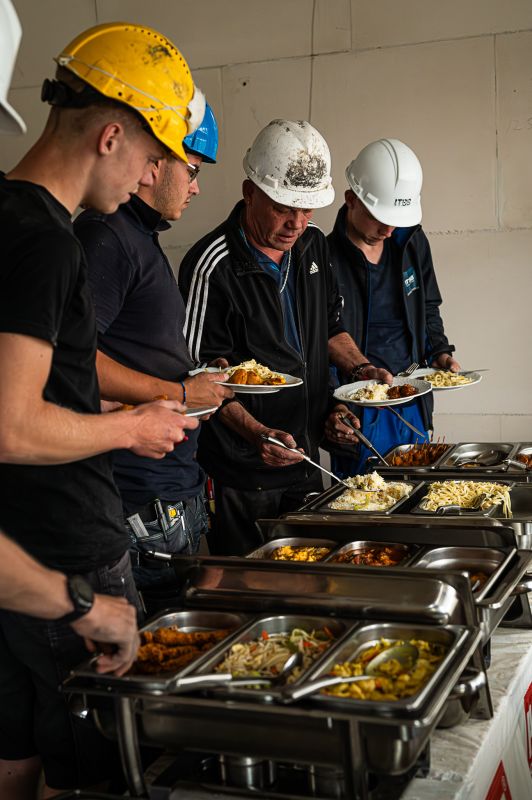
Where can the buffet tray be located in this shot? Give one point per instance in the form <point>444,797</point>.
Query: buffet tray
<point>451,510</point>
<point>403,552</point>
<point>266,626</point>
<point>496,451</point>
<point>187,621</point>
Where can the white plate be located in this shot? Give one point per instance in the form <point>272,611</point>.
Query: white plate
<point>243,388</point>
<point>476,378</point>
<point>423,387</point>
<point>200,411</point>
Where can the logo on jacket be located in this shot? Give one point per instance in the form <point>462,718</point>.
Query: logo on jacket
<point>410,281</point>
<point>313,268</point>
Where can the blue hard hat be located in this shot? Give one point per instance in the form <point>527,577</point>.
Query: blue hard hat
<point>204,141</point>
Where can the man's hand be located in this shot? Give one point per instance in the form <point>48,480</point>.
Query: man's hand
<point>111,620</point>
<point>205,389</point>
<point>156,428</point>
<point>372,373</point>
<point>446,362</point>
<point>272,454</point>
<point>336,431</point>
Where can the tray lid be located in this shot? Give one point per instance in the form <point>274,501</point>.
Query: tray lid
<point>258,586</point>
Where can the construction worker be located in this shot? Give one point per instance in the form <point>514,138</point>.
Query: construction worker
<point>142,352</point>
<point>260,286</point>
<point>391,298</point>
<point>123,96</point>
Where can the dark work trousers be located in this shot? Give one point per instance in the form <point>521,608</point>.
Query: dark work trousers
<point>235,532</point>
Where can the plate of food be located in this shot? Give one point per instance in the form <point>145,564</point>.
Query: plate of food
<point>373,393</point>
<point>443,380</point>
<point>250,377</point>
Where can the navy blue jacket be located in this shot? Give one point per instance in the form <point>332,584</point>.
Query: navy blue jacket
<point>421,295</point>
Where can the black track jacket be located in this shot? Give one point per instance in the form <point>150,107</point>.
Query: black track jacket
<point>234,311</point>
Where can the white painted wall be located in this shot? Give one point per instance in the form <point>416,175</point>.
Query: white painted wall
<point>453,80</point>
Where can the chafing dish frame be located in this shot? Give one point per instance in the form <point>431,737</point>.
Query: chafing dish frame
<point>341,739</point>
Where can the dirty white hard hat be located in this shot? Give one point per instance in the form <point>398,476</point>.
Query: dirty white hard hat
<point>10,35</point>
<point>291,163</point>
<point>387,177</point>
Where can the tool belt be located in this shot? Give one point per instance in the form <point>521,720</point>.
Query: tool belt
<point>159,526</point>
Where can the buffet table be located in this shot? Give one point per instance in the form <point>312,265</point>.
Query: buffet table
<point>475,760</point>
<point>479,760</point>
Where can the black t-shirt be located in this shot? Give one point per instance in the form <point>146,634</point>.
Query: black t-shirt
<point>140,316</point>
<point>66,515</point>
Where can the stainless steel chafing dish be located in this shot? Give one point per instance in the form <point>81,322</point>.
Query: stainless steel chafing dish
<point>354,740</point>
<point>441,543</point>
<point>472,459</point>
<point>400,553</point>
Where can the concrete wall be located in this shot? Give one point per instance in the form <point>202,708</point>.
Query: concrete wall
<point>453,80</point>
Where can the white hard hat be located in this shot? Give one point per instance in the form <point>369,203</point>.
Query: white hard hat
<point>291,163</point>
<point>387,177</point>
<point>10,35</point>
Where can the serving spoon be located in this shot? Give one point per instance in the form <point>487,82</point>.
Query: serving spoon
<point>406,654</point>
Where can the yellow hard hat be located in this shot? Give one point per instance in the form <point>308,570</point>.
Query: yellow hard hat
<point>139,67</point>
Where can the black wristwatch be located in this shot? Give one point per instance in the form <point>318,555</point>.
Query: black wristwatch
<point>358,370</point>
<point>82,595</point>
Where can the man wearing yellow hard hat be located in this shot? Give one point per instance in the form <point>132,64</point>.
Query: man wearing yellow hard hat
<point>123,96</point>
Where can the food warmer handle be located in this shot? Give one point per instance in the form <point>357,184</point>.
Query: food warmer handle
<point>514,583</point>
<point>191,683</point>
<point>468,685</point>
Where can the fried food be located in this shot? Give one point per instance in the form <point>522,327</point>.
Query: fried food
<point>253,378</point>
<point>239,376</point>
<point>169,649</point>
<point>172,636</point>
<point>252,373</point>
<point>418,455</point>
<point>381,391</point>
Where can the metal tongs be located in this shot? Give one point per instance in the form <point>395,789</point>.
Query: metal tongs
<point>364,439</point>
<point>279,443</point>
<point>476,506</point>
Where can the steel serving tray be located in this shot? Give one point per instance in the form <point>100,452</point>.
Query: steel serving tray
<point>505,571</point>
<point>401,450</point>
<point>453,511</point>
<point>281,623</point>
<point>451,637</point>
<point>266,550</point>
<point>187,621</point>
<point>322,502</point>
<point>522,449</point>
<point>401,553</point>
<point>469,451</point>
<point>469,559</point>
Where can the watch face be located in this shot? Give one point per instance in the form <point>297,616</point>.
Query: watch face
<point>81,592</point>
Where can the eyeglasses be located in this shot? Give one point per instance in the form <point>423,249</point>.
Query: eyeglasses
<point>193,171</point>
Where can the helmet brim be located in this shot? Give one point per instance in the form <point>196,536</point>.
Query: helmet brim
<point>10,120</point>
<point>292,199</point>
<point>396,217</point>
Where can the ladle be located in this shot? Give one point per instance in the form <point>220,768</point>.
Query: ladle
<point>481,460</point>
<point>406,654</point>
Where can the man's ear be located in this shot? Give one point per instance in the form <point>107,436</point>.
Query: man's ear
<point>350,198</point>
<point>151,172</point>
<point>247,190</point>
<point>109,138</point>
